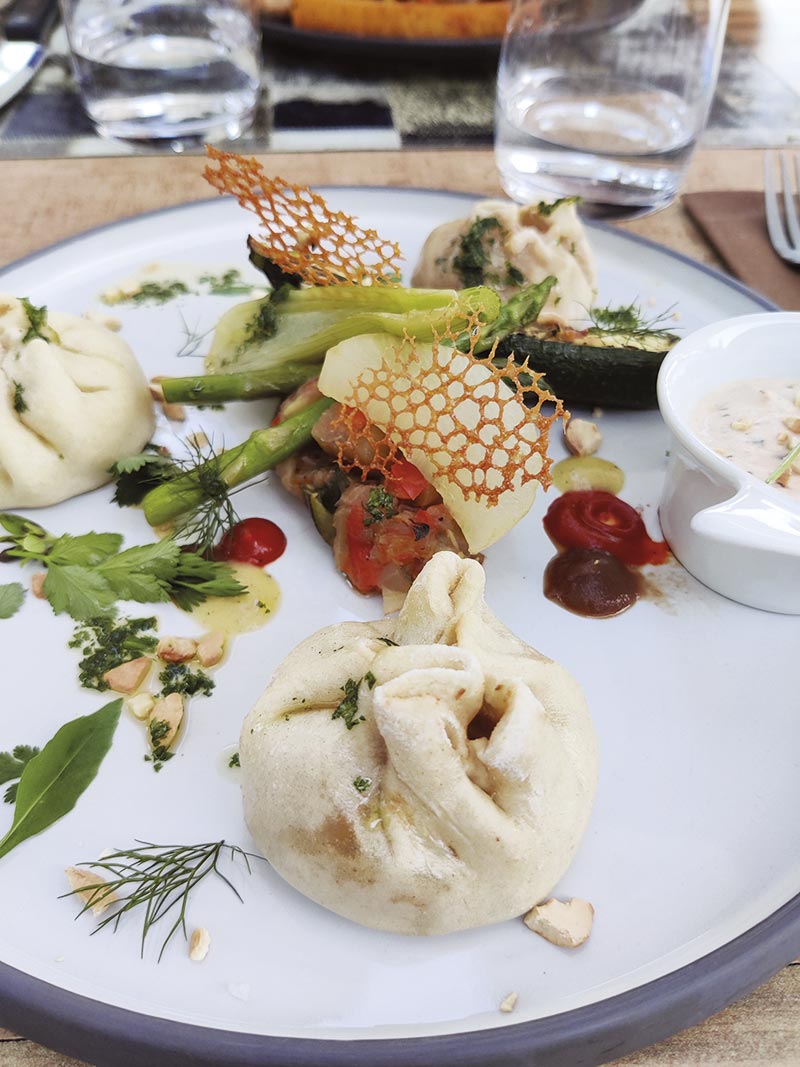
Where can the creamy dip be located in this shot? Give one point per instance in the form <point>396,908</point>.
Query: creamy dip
<point>754,423</point>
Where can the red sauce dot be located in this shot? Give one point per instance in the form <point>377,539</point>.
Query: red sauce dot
<point>590,582</point>
<point>255,541</point>
<point>593,518</point>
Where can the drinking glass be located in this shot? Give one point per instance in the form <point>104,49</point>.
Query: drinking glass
<point>605,99</point>
<point>175,69</point>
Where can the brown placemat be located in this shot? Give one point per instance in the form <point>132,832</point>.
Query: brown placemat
<point>736,225</point>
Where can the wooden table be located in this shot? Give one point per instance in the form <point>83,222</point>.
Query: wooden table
<point>46,201</point>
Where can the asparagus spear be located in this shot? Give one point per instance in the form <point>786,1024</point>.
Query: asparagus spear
<point>262,451</point>
<point>277,380</point>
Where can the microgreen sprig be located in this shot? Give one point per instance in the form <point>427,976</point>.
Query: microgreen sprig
<point>785,464</point>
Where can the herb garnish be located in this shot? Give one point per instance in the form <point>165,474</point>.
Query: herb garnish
<point>136,475</point>
<point>546,209</point>
<point>784,464</point>
<point>11,598</point>
<point>158,878</point>
<point>472,259</point>
<point>234,760</point>
<point>347,710</point>
<point>629,321</point>
<point>230,283</point>
<point>380,505</point>
<point>87,574</point>
<point>37,323</point>
<point>106,643</point>
<point>361,785</point>
<point>12,764</point>
<point>180,678</point>
<point>53,779</point>
<point>19,401</point>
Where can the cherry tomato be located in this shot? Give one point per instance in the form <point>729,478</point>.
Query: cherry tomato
<point>593,518</point>
<point>256,541</point>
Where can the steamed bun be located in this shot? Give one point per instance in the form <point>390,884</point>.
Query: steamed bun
<point>452,792</point>
<point>534,239</point>
<point>71,403</point>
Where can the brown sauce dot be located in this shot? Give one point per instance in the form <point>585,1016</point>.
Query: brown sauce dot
<point>590,582</point>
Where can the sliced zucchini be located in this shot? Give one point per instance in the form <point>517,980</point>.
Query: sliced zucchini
<point>603,368</point>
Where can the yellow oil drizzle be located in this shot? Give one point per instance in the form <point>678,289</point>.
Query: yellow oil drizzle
<point>241,614</point>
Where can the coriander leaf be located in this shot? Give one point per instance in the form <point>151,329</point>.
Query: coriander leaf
<point>10,795</point>
<point>143,572</point>
<point>87,550</point>
<point>79,591</point>
<point>11,597</point>
<point>56,777</point>
<point>24,753</point>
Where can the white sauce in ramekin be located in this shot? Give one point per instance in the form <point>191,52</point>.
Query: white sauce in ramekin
<point>754,423</point>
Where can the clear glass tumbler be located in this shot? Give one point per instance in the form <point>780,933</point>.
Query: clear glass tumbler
<point>165,69</point>
<point>605,99</point>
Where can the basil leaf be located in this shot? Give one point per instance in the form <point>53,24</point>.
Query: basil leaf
<point>53,781</point>
<point>11,597</point>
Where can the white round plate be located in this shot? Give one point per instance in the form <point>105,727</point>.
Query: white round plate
<point>692,858</point>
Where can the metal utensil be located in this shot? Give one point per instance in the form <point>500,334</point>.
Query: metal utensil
<point>785,238</point>
<point>25,30</point>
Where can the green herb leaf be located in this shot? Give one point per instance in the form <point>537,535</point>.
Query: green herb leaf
<point>79,591</point>
<point>143,572</point>
<point>12,763</point>
<point>19,402</point>
<point>380,505</point>
<point>136,475</point>
<point>87,550</point>
<point>37,323</point>
<point>11,597</point>
<point>347,710</point>
<point>196,579</point>
<point>55,778</point>
<point>546,209</point>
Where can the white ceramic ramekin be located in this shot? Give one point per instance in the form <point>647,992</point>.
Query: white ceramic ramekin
<point>735,533</point>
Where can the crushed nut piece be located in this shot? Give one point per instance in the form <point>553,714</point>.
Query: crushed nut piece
<point>792,424</point>
<point>127,677</point>
<point>211,648</point>
<point>176,649</point>
<point>783,479</point>
<point>37,584</point>
<point>785,440</point>
<point>567,923</point>
<point>582,437</point>
<point>103,319</point>
<point>169,712</point>
<point>174,412</point>
<point>509,1002</point>
<point>141,705</point>
<point>199,944</point>
<point>742,425</point>
<point>197,440</point>
<point>89,887</point>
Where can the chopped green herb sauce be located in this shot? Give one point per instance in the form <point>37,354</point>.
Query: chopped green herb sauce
<point>107,642</point>
<point>180,678</point>
<point>234,760</point>
<point>361,785</point>
<point>230,283</point>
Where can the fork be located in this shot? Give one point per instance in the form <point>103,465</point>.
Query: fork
<point>785,240</point>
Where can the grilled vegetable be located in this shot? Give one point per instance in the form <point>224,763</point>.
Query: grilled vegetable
<point>614,369</point>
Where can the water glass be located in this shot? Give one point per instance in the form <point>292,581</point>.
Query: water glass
<point>174,69</point>
<point>605,99</point>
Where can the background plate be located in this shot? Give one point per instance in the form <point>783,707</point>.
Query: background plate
<point>344,45</point>
<point>690,862</point>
